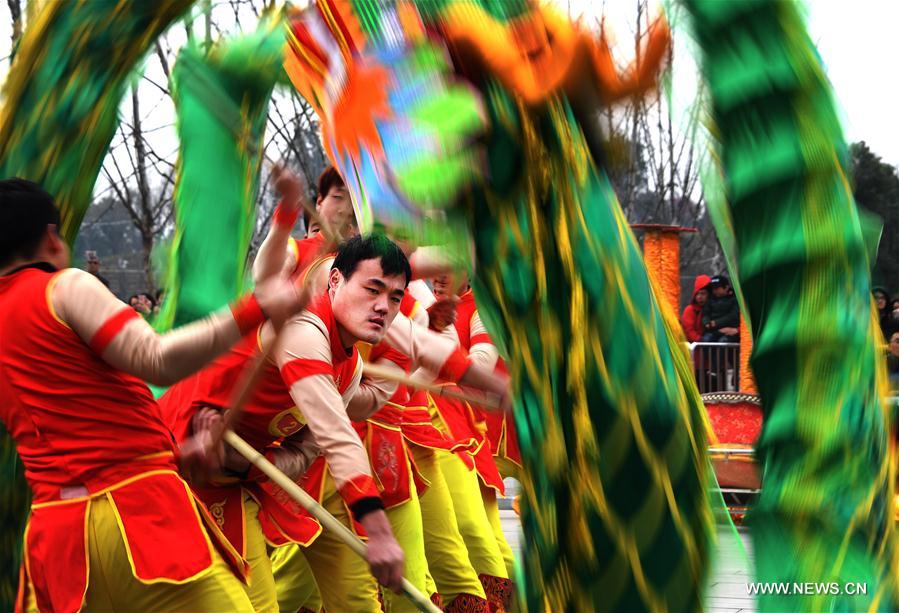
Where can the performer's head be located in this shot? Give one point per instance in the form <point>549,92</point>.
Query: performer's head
<point>450,284</point>
<point>334,205</point>
<point>29,222</point>
<point>366,285</point>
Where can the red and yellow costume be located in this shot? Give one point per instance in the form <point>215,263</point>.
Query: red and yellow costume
<point>475,480</point>
<point>99,459</point>
<point>401,441</point>
<point>311,383</point>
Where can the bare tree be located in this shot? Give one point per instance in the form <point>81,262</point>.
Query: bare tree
<point>132,161</point>
<point>655,160</point>
<point>139,172</point>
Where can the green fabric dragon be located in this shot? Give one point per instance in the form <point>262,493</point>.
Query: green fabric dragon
<point>825,513</point>
<point>611,427</point>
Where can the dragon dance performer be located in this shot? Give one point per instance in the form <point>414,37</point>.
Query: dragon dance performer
<point>396,436</point>
<point>299,389</point>
<point>401,442</point>
<point>112,526</point>
<point>456,579</point>
<point>474,480</point>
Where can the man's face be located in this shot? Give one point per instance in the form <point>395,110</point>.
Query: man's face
<point>881,301</point>
<point>441,286</point>
<point>366,304</point>
<point>93,266</point>
<point>336,210</point>
<point>702,296</point>
<point>894,344</point>
<point>719,291</point>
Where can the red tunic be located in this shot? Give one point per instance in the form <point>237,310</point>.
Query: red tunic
<point>390,430</point>
<point>460,418</point>
<point>501,431</point>
<point>307,251</point>
<point>269,415</point>
<point>84,429</point>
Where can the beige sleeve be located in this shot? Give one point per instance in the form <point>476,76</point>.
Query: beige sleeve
<point>426,348</point>
<point>84,304</point>
<point>421,292</point>
<point>428,262</point>
<point>483,354</point>
<point>296,453</point>
<point>316,395</point>
<point>275,255</point>
<point>372,394</point>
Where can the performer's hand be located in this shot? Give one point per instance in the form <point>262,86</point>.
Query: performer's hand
<point>442,313</point>
<point>279,299</point>
<point>288,185</point>
<point>384,554</point>
<point>493,383</point>
<point>199,459</point>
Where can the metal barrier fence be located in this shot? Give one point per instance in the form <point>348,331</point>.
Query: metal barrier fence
<point>716,366</point>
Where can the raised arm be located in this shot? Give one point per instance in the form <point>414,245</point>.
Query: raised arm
<point>118,334</point>
<point>277,254</point>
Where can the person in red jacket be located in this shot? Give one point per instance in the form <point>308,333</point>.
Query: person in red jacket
<point>691,319</point>
<point>113,526</point>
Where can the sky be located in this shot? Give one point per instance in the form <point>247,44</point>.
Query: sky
<point>857,41</point>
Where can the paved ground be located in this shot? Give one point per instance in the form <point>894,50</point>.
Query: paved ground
<point>730,568</point>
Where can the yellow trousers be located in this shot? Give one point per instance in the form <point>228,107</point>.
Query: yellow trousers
<point>491,507</point>
<point>406,523</point>
<point>447,554</point>
<point>113,587</point>
<point>341,577</point>
<point>261,588</point>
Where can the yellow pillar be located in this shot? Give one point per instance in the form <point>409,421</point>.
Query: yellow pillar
<point>747,381</point>
<point>661,252</point>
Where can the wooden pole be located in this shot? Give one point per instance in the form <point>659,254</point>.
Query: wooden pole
<point>398,376</point>
<point>328,521</point>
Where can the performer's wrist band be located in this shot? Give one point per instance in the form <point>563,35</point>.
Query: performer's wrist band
<point>455,366</point>
<point>364,506</point>
<point>286,217</point>
<point>247,314</point>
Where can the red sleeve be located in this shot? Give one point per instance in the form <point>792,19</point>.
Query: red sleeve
<point>359,488</point>
<point>285,216</point>
<point>385,351</point>
<point>481,338</point>
<point>301,368</point>
<point>455,366</point>
<point>112,326</point>
<point>247,314</point>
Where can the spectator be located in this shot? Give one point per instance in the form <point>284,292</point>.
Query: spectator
<point>721,314</point>
<point>149,300</point>
<point>93,266</point>
<point>691,319</point>
<point>893,360</point>
<point>884,312</point>
<point>141,303</point>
